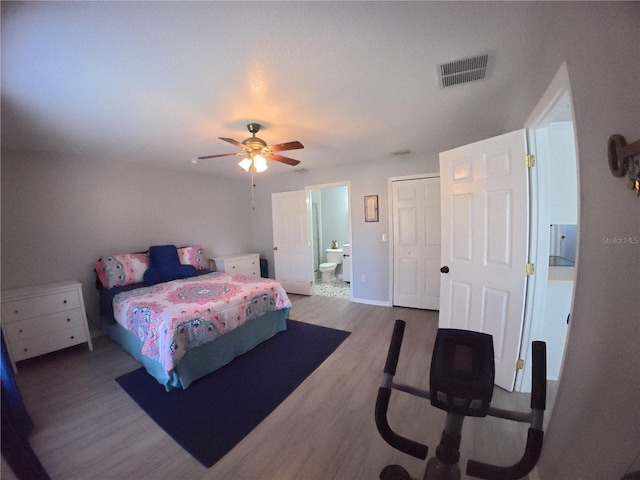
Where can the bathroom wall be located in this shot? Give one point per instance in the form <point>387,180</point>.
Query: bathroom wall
<point>334,215</point>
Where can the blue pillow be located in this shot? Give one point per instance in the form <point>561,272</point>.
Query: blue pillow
<point>164,265</point>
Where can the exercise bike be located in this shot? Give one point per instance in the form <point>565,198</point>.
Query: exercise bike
<point>461,383</point>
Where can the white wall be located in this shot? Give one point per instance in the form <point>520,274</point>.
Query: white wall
<point>594,432</point>
<point>60,215</point>
<point>563,188</point>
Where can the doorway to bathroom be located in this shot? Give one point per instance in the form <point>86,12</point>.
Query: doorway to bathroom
<point>330,219</point>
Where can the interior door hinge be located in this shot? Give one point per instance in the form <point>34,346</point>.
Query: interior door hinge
<point>530,160</point>
<point>520,364</point>
<point>530,269</point>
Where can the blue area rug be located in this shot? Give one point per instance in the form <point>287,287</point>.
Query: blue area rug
<point>216,412</point>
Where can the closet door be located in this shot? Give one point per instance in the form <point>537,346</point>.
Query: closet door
<point>416,243</point>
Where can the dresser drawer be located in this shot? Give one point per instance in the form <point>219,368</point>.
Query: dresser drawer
<point>42,344</point>
<point>34,327</point>
<point>13,311</point>
<point>243,266</point>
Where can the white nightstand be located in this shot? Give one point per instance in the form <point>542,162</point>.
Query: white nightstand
<point>43,318</point>
<point>239,263</point>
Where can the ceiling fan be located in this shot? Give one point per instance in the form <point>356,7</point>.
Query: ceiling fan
<point>257,151</point>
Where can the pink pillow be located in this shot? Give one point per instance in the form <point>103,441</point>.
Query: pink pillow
<point>192,255</point>
<point>102,275</point>
<point>118,270</point>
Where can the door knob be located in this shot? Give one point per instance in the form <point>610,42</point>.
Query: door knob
<point>444,269</point>
<point>275,248</point>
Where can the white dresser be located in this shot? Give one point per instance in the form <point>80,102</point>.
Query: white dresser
<point>239,263</point>
<point>43,318</point>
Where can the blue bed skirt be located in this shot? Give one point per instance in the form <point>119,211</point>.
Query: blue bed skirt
<point>206,358</point>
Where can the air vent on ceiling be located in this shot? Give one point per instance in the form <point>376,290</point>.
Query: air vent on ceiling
<point>398,153</point>
<point>463,70</point>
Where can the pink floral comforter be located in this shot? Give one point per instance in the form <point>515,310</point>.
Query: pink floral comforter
<point>173,317</point>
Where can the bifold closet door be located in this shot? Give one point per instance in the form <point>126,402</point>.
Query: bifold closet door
<point>416,243</point>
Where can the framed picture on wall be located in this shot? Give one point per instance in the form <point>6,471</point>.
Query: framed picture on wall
<point>371,208</point>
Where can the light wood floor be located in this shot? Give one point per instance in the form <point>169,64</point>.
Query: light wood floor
<point>87,427</point>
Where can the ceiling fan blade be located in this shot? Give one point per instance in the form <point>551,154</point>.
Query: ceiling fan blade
<point>280,158</point>
<point>220,155</point>
<point>286,146</point>
<point>232,142</point>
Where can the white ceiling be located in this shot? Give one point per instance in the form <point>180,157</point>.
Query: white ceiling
<point>158,82</point>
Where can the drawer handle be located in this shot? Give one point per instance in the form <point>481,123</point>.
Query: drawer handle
<point>72,337</point>
<point>64,301</point>
<point>68,319</point>
<point>26,349</point>
<point>20,331</point>
<point>15,311</point>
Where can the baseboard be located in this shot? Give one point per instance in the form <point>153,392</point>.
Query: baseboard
<point>370,302</point>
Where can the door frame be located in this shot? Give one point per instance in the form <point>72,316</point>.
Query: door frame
<point>559,90</point>
<point>389,239</point>
<point>322,186</point>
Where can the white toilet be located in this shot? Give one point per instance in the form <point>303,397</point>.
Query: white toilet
<point>334,257</point>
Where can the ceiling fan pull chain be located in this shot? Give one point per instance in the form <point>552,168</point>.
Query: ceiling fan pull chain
<point>253,186</point>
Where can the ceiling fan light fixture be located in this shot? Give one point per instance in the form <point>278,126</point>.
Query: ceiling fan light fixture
<point>258,152</point>
<point>245,164</point>
<point>260,163</point>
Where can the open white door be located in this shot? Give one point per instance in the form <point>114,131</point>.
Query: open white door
<point>291,243</point>
<point>484,201</point>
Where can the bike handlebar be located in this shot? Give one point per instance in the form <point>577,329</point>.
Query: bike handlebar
<point>519,469</point>
<point>399,442</point>
<point>535,434</point>
<point>394,347</point>
<point>539,376</point>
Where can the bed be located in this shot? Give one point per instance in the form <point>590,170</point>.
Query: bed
<point>184,324</point>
